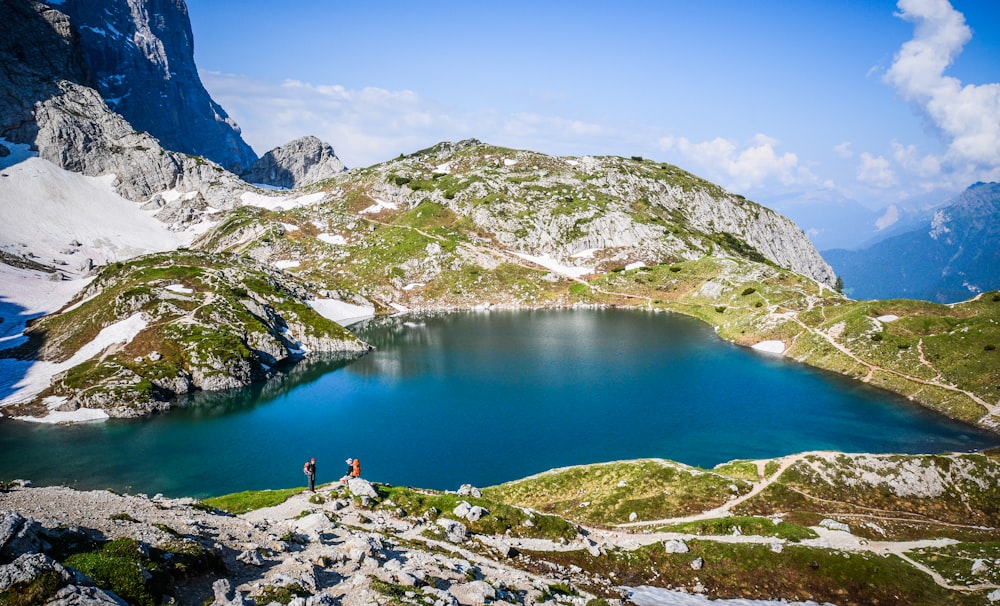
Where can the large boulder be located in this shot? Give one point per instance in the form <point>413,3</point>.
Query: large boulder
<point>19,536</point>
<point>362,488</point>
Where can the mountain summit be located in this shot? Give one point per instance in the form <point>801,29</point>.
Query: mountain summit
<point>953,256</point>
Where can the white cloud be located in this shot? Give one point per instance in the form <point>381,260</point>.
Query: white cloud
<point>876,171</point>
<point>967,115</point>
<point>742,167</point>
<point>844,150</point>
<point>371,124</point>
<point>910,160</point>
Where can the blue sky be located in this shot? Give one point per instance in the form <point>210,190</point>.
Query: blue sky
<point>868,100</point>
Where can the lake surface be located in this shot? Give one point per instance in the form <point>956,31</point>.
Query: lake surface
<point>484,398</point>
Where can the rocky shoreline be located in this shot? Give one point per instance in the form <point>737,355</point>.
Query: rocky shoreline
<point>365,544</point>
<point>324,548</point>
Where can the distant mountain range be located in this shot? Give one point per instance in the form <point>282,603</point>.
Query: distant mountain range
<point>951,257</point>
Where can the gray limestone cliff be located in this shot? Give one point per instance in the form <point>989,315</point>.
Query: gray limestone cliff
<point>140,55</point>
<point>304,161</point>
<point>50,101</point>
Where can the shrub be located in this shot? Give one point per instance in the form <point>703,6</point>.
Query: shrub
<point>119,566</point>
<point>877,337</point>
<point>989,347</point>
<point>281,595</point>
<point>749,290</point>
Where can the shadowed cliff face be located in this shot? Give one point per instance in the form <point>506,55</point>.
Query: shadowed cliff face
<point>37,49</point>
<point>140,55</point>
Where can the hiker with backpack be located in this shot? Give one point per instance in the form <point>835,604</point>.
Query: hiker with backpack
<point>310,470</point>
<point>353,470</point>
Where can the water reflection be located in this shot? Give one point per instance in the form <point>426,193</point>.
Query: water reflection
<point>203,404</point>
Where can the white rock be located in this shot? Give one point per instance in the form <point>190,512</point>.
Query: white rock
<point>834,525</point>
<point>675,546</point>
<point>456,531</point>
<point>361,488</point>
<point>476,513</point>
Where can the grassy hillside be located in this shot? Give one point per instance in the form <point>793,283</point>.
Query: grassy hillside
<point>751,528</point>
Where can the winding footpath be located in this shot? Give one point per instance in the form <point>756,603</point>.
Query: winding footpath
<point>623,536</point>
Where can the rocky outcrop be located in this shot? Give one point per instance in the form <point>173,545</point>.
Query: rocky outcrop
<point>38,50</point>
<point>195,322</point>
<point>301,162</point>
<point>331,551</point>
<point>140,55</point>
<point>77,132</point>
<point>49,99</point>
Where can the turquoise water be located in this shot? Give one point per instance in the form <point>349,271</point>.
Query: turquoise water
<point>489,397</point>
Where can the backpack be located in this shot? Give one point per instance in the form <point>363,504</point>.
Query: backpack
<point>356,472</point>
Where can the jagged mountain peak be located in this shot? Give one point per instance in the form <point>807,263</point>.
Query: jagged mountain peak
<point>949,258</point>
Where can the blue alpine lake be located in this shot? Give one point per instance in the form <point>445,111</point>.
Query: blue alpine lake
<point>483,398</point>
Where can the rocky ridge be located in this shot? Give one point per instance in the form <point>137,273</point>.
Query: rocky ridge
<point>366,543</point>
<point>602,211</point>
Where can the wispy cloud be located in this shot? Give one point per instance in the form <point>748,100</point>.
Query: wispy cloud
<point>876,171</point>
<point>968,116</point>
<point>844,150</point>
<point>371,124</point>
<point>742,165</point>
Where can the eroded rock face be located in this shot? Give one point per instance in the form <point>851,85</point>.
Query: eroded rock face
<point>140,54</point>
<point>50,99</point>
<point>300,162</point>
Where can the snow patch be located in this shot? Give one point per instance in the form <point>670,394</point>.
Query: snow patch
<point>19,152</point>
<point>66,219</point>
<point>27,379</point>
<point>335,239</point>
<point>290,227</point>
<point>260,200</point>
<point>179,288</point>
<point>635,265</point>
<point>80,415</point>
<point>887,318</point>
<point>657,596</point>
<point>585,254</point>
<point>378,207</point>
<point>285,264</point>
<point>444,169</point>
<point>342,313</point>
<point>772,347</point>
<point>413,285</point>
<point>509,162</point>
<point>557,267</point>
